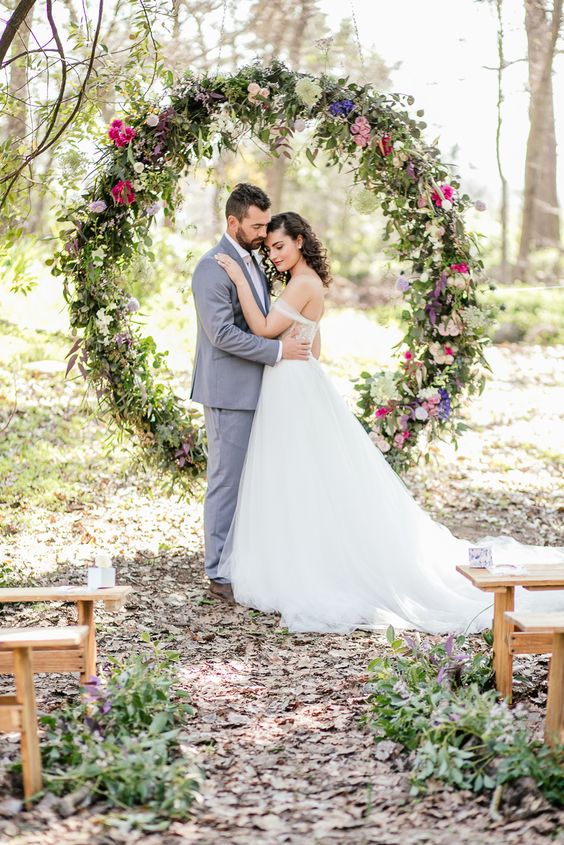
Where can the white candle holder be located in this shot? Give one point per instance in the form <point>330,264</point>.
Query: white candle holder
<point>99,578</point>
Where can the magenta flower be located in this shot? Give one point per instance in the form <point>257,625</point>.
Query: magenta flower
<point>448,193</point>
<point>460,268</point>
<point>382,412</point>
<point>121,134</point>
<point>123,192</point>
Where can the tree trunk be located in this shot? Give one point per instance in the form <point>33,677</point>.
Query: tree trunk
<point>541,224</point>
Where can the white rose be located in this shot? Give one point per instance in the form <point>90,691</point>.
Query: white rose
<point>103,560</point>
<point>139,167</point>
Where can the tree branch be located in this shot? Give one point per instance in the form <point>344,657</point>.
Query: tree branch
<point>18,17</point>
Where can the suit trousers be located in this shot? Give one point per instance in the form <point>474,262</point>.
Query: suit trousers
<point>228,435</point>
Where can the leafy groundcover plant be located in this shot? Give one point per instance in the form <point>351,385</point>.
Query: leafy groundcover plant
<point>438,702</point>
<point>121,743</point>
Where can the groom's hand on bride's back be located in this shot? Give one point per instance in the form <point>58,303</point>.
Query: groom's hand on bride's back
<point>295,348</point>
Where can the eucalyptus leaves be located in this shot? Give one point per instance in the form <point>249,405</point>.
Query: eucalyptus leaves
<point>380,144</point>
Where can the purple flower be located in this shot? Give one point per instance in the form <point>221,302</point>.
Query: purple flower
<point>402,283</point>
<point>123,339</point>
<point>444,404</point>
<point>341,108</point>
<point>449,645</point>
<point>97,206</point>
<point>153,208</point>
<point>442,674</point>
<point>72,247</point>
<point>410,170</point>
<point>132,305</point>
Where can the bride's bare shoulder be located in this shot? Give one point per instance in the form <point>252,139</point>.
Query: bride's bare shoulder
<point>310,280</point>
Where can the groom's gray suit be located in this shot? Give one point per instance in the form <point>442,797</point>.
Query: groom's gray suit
<point>226,381</point>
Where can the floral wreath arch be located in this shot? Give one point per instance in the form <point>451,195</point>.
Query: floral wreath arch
<point>440,356</point>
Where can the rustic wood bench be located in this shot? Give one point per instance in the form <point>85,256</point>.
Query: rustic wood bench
<point>552,625</point>
<point>507,641</point>
<point>81,658</point>
<point>18,712</point>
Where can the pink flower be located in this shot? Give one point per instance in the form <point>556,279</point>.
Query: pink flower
<point>400,438</point>
<point>449,350</point>
<point>447,191</point>
<point>460,268</point>
<point>382,412</point>
<point>407,355</point>
<point>123,193</point>
<point>121,134</point>
<point>360,130</point>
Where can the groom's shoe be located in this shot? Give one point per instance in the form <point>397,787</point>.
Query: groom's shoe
<point>222,591</point>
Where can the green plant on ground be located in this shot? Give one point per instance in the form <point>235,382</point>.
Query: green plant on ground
<point>437,701</point>
<point>122,742</point>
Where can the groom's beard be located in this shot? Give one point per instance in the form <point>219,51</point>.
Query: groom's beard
<point>246,245</point>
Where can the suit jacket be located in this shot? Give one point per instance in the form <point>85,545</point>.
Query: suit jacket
<point>229,358</point>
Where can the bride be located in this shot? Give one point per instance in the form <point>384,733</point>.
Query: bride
<point>325,532</point>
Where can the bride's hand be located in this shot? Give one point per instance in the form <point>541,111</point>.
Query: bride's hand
<point>231,267</point>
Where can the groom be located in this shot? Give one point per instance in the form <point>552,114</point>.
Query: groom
<point>229,363</point>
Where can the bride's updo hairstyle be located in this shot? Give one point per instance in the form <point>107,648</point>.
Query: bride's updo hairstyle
<point>313,251</point>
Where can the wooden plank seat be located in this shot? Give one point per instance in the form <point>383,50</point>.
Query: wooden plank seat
<point>553,624</point>
<point>18,712</point>
<point>507,641</point>
<point>69,658</point>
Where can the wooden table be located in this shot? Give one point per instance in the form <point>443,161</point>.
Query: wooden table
<point>18,712</point>
<point>72,658</point>
<point>507,641</point>
<point>554,623</point>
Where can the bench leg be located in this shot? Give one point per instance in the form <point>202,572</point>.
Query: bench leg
<point>554,725</point>
<point>502,658</point>
<point>25,694</point>
<point>86,617</point>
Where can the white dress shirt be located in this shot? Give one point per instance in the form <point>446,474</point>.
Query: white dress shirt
<point>255,277</point>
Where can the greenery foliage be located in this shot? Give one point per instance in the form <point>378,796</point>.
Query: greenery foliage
<point>437,701</point>
<point>122,741</point>
<point>373,136</point>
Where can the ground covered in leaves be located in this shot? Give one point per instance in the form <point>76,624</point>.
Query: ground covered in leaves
<point>276,726</point>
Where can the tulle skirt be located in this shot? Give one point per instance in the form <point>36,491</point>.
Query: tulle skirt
<point>326,534</point>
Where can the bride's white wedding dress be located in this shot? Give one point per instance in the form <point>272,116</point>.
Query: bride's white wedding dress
<point>327,534</point>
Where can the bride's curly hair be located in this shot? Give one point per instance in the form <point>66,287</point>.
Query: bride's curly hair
<point>313,250</point>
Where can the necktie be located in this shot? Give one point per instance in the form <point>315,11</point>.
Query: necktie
<point>255,277</point>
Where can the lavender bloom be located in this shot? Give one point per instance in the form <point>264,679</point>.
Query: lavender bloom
<point>97,206</point>
<point>132,305</point>
<point>341,108</point>
<point>402,283</point>
<point>153,208</point>
<point>410,170</point>
<point>123,339</point>
<point>444,404</point>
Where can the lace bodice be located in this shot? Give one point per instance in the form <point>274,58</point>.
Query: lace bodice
<point>307,329</point>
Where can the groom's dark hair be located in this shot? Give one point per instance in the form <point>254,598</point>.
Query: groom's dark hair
<point>241,199</point>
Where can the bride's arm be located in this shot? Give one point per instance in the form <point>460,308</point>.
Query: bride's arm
<point>274,323</point>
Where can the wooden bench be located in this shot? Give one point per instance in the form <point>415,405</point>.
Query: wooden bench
<point>507,641</point>
<point>18,712</point>
<point>80,658</point>
<point>550,624</point>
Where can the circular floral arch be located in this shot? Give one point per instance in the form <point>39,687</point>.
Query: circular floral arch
<point>391,167</point>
